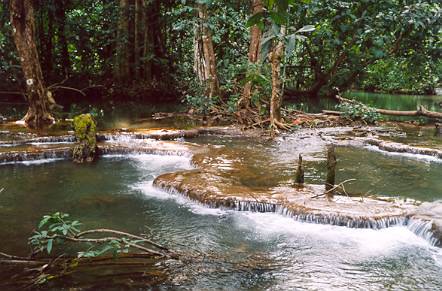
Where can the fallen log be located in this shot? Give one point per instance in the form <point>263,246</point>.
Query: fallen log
<point>421,110</point>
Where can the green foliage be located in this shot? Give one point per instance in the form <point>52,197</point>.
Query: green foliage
<point>50,229</point>
<point>352,35</point>
<point>201,103</point>
<point>57,230</point>
<point>416,74</point>
<point>359,112</point>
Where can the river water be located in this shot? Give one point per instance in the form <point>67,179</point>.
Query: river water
<point>248,251</point>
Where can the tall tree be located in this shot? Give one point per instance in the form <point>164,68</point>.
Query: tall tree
<point>39,98</point>
<point>275,58</point>
<point>254,48</point>
<point>60,17</point>
<point>123,57</point>
<point>204,44</point>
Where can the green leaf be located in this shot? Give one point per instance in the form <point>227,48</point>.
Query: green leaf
<point>277,18</point>
<point>256,19</point>
<point>266,44</point>
<point>44,221</point>
<point>290,45</point>
<point>49,246</point>
<point>306,28</point>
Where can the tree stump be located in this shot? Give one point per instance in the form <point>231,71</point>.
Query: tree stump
<point>299,175</point>
<point>331,171</point>
<point>438,128</point>
<point>85,132</point>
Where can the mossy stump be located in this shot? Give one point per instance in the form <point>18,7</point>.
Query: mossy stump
<point>85,132</point>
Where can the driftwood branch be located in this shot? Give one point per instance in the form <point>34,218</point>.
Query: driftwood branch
<point>340,185</point>
<point>68,88</point>
<point>105,230</point>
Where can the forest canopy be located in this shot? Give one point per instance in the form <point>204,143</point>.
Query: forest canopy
<point>206,51</point>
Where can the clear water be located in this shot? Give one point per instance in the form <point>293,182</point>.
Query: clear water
<point>247,250</point>
<point>398,102</point>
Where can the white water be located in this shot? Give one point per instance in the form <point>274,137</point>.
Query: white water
<point>420,157</point>
<point>34,162</point>
<point>372,241</point>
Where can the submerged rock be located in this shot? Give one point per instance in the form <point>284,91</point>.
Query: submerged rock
<point>85,133</point>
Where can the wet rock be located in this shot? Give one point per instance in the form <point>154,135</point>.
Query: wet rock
<point>85,132</point>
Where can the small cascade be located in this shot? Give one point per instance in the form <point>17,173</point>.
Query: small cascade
<point>126,150</point>
<point>39,140</point>
<point>26,156</point>
<point>318,218</point>
<point>424,229</point>
<point>154,134</point>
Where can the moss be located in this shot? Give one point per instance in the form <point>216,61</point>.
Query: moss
<point>85,128</point>
<point>85,132</point>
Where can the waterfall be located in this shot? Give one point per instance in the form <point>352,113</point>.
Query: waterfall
<point>422,228</point>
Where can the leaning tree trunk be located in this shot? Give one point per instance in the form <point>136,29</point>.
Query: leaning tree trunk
<point>276,99</point>
<point>255,39</point>
<point>210,76</point>
<point>22,20</point>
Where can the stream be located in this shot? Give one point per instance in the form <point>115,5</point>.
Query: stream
<point>254,250</point>
<point>246,250</point>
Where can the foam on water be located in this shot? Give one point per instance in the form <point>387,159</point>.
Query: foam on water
<point>50,143</point>
<point>148,190</point>
<point>33,162</point>
<point>368,242</point>
<point>154,165</point>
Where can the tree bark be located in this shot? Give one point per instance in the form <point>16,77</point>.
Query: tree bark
<point>210,73</point>
<point>147,43</point>
<point>122,61</point>
<point>23,23</point>
<point>299,175</point>
<point>60,14</point>
<point>331,171</point>
<point>276,98</point>
<point>254,48</point>
<point>137,37</point>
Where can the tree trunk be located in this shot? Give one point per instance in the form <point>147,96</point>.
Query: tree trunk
<point>137,37</point>
<point>147,44</point>
<point>299,175</point>
<point>122,62</point>
<point>22,20</point>
<point>48,46</point>
<point>255,40</point>
<point>276,99</point>
<point>210,74</point>
<point>60,15</point>
<point>331,171</point>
